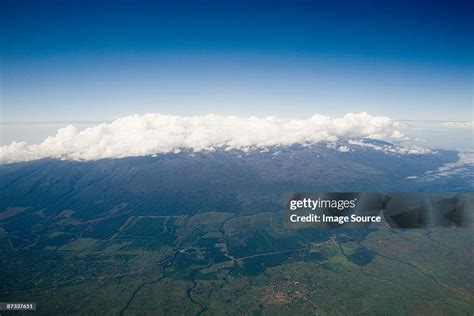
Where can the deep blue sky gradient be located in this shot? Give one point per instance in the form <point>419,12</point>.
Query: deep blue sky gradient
<point>91,60</point>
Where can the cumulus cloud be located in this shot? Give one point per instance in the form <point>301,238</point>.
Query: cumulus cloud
<point>141,135</point>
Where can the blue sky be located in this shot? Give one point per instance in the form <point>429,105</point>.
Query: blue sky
<point>92,61</point>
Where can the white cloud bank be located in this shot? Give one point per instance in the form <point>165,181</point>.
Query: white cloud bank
<point>141,135</point>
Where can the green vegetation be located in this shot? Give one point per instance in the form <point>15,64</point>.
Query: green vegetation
<point>217,263</point>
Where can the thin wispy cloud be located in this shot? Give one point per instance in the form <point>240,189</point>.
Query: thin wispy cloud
<point>459,124</point>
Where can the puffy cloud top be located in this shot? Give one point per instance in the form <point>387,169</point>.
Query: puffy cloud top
<point>140,135</point>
